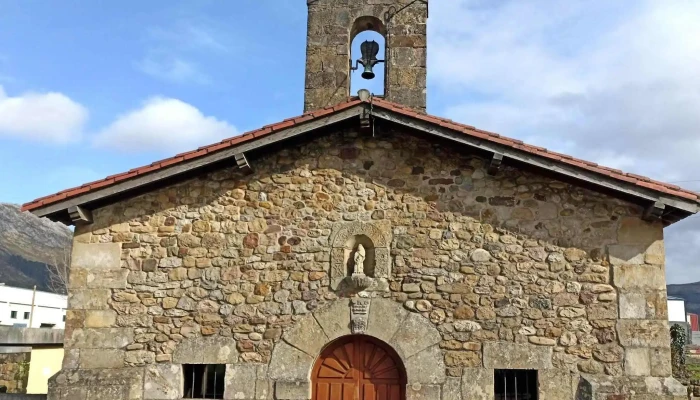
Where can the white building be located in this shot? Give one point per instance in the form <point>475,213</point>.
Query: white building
<point>49,309</point>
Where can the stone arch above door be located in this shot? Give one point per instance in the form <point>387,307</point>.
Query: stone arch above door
<point>414,338</point>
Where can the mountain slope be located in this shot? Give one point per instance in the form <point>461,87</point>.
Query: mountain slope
<point>27,245</point>
<point>690,292</point>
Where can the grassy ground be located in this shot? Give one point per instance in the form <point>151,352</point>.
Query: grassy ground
<point>693,371</point>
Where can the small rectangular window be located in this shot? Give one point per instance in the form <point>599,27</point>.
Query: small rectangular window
<point>515,384</point>
<point>64,317</point>
<point>13,314</point>
<point>43,325</point>
<point>204,381</point>
<point>26,315</point>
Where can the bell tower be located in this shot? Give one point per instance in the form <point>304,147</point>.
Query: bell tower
<point>332,26</point>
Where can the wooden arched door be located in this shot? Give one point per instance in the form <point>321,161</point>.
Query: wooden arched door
<point>358,368</point>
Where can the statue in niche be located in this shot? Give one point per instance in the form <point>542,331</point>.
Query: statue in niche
<point>359,259</point>
<point>358,280</point>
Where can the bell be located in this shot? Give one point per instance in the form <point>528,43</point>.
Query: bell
<point>369,52</point>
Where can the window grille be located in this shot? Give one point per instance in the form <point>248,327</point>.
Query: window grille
<point>204,381</point>
<point>26,315</point>
<point>515,384</point>
<point>13,314</point>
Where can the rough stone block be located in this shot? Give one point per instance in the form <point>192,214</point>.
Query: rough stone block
<point>107,279</point>
<point>107,392</point>
<point>664,386</point>
<point>423,392</point>
<point>163,382</point>
<point>335,319</point>
<point>292,390</point>
<point>626,254</point>
<point>451,389</point>
<point>307,336</point>
<point>660,360</point>
<point>633,305</point>
<point>637,362</point>
<point>100,318</point>
<point>289,364</point>
<point>385,318</point>
<point>206,350</point>
<point>632,277</point>
<point>96,255</point>
<point>89,299</point>
<point>71,358</point>
<point>643,333</point>
<point>427,366</point>
<point>416,334</point>
<point>240,381</point>
<point>263,388</point>
<point>477,384</point>
<point>101,358</point>
<point>634,230</point>
<point>556,384</point>
<point>105,338</point>
<point>504,355</point>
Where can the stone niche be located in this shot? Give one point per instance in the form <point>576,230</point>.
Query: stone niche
<point>347,240</point>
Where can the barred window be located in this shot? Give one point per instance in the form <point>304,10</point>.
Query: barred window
<point>204,381</point>
<point>515,384</point>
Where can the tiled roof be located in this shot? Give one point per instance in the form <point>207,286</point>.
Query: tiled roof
<point>642,181</point>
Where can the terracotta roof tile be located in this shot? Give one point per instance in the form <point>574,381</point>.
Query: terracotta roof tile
<point>639,180</point>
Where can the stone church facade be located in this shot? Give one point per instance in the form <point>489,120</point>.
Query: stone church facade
<point>367,250</point>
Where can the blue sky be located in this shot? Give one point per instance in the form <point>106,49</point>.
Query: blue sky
<point>92,88</point>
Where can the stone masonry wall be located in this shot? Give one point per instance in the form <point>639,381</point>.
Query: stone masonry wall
<point>14,371</point>
<point>512,269</point>
<point>333,24</point>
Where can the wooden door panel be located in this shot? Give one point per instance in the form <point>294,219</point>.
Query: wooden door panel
<point>358,368</point>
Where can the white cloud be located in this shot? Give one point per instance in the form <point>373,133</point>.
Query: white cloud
<point>170,51</point>
<point>48,117</point>
<point>171,69</point>
<point>163,125</point>
<point>612,82</point>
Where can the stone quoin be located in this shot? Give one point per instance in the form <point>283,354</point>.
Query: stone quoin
<point>479,254</point>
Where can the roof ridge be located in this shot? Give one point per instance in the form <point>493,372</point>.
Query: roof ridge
<point>642,181</point>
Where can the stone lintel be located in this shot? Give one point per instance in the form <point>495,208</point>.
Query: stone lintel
<point>206,350</point>
<point>506,355</point>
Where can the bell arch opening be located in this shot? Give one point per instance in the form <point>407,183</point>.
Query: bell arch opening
<point>372,30</point>
<point>358,367</point>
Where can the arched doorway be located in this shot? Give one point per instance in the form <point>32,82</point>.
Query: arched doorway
<point>358,367</point>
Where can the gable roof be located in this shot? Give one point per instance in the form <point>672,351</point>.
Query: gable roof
<point>668,201</point>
